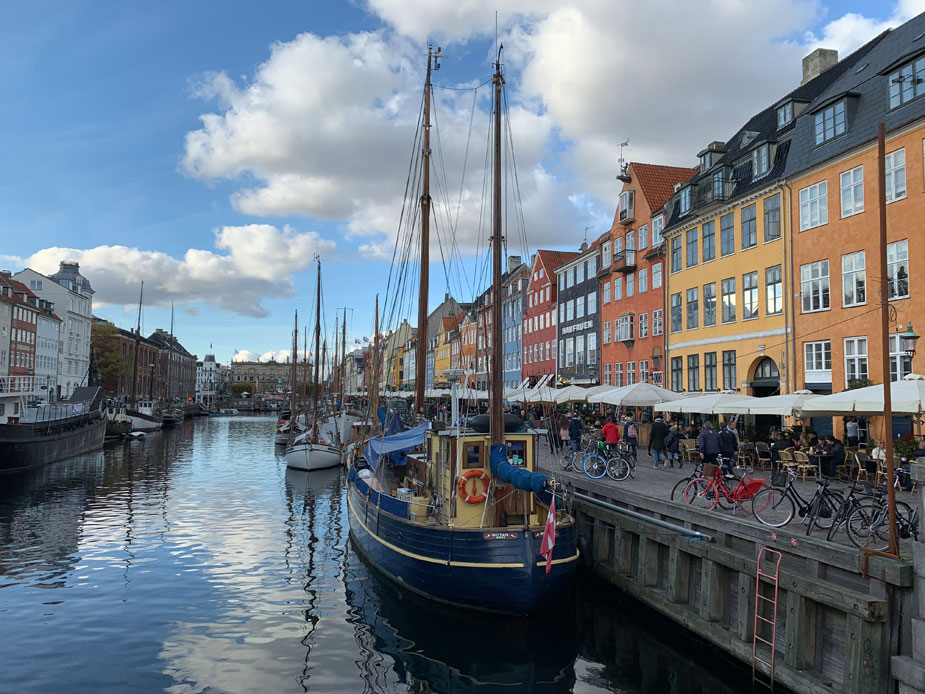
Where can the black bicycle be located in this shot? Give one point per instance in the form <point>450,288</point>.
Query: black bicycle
<point>777,505</point>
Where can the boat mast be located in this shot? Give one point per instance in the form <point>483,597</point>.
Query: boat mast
<point>170,352</point>
<point>317,350</point>
<point>335,369</point>
<point>343,361</point>
<point>374,380</point>
<point>496,382</point>
<point>137,342</point>
<point>420,354</point>
<point>293,378</point>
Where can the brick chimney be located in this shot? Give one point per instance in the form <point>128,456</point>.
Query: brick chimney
<point>818,62</point>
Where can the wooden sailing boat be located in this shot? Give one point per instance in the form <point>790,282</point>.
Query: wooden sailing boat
<point>466,522</point>
<point>173,414</point>
<point>316,449</point>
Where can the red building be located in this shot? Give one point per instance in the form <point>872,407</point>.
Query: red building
<point>20,374</point>
<point>632,277</point>
<point>539,323</point>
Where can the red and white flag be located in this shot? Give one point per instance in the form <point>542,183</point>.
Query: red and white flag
<point>549,535</point>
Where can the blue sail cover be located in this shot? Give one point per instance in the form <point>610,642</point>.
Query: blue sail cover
<point>503,471</point>
<point>403,442</point>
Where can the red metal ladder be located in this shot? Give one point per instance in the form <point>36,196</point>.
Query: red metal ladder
<point>767,568</point>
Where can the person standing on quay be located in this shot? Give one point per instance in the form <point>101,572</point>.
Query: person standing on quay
<point>851,431</point>
<point>729,445</point>
<point>657,442</point>
<point>708,444</point>
<point>629,433</point>
<point>574,431</point>
<point>611,433</point>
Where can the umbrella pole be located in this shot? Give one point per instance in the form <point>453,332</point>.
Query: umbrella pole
<point>885,343</point>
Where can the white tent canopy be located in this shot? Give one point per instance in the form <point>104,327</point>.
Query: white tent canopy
<point>714,403</point>
<point>635,395</point>
<point>790,405</point>
<point>908,396</point>
<point>569,394</point>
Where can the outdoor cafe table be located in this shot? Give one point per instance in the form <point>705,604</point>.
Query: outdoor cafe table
<point>825,462</point>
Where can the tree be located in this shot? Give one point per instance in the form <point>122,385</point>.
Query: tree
<point>239,388</point>
<point>111,365</point>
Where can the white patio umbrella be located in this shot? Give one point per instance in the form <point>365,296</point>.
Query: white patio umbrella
<point>636,395</point>
<point>569,394</point>
<point>908,396</point>
<point>790,405</point>
<point>714,403</point>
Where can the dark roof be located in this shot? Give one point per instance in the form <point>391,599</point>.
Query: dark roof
<point>762,127</point>
<point>70,272</point>
<point>165,340</point>
<point>869,103</point>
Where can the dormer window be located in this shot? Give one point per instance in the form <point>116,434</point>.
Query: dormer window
<point>830,122</point>
<point>760,161</point>
<point>784,114</point>
<point>627,211</point>
<point>907,82</point>
<point>685,200</point>
<point>706,161</point>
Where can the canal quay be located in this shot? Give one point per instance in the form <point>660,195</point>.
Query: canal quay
<point>193,561</point>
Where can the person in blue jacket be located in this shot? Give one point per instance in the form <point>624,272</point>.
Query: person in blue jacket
<point>574,431</point>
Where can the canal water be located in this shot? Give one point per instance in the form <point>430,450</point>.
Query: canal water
<point>193,561</point>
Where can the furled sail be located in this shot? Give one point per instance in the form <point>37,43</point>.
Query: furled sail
<point>404,441</point>
<point>503,471</point>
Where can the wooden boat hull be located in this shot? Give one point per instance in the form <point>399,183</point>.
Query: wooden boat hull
<point>20,450</point>
<point>488,569</point>
<point>308,456</point>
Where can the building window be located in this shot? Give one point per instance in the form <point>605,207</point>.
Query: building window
<point>677,374</point>
<point>897,269</point>
<point>895,166</point>
<point>814,286</point>
<point>774,290</point>
<point>580,307</point>
<point>643,236</point>
<point>570,352</point>
<point>623,328</point>
<point>852,191</point>
<point>693,373</point>
<point>607,376</point>
<point>630,373</point>
<point>830,122</point>
<point>606,293</point>
<point>579,350</point>
<point>570,278</point>
<point>630,285</point>
<point>676,312</point>
<point>709,371</point>
<point>570,310</point>
<point>643,280</point>
<point>592,303</point>
<point>657,276</point>
<point>643,370</point>
<point>657,323</point>
<point>749,227</point>
<point>760,161</point>
<point>729,300</point>
<point>855,360</point>
<point>750,295</point>
<point>814,206</point>
<point>693,308</point>
<point>729,370</point>
<point>605,254</point>
<point>617,288</point>
<point>709,304</point>
<point>900,362</point>
<point>719,183</point>
<point>592,266</point>
<point>658,224</point>
<point>643,325</point>
<point>906,83</point>
<point>727,239</point>
<point>607,332</point>
<point>784,114</point>
<point>772,218</point>
<point>817,361</point>
<point>685,200</point>
<point>709,241</point>
<point>618,374</point>
<point>692,247</point>
<point>853,279</point>
<point>676,253</point>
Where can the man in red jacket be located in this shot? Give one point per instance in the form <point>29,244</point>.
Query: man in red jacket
<point>611,434</point>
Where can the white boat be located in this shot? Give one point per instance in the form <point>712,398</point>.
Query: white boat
<point>304,455</point>
<point>145,416</point>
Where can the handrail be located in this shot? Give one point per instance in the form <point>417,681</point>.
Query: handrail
<point>680,529</point>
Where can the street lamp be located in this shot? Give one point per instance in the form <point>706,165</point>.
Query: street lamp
<point>908,341</point>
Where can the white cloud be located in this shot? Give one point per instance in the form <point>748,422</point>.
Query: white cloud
<point>258,262</point>
<point>280,356</point>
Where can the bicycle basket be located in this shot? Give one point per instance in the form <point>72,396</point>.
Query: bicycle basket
<point>825,511</point>
<point>779,478</point>
<point>709,470</point>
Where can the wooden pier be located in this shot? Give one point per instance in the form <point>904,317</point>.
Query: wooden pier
<point>838,621</point>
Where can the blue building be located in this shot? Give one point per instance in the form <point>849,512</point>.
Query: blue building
<point>513,293</point>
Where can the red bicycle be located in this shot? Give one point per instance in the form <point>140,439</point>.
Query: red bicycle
<point>711,490</point>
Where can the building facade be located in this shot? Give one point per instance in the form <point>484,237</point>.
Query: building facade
<point>18,385</point>
<point>632,286</point>
<point>176,367</point>
<point>579,318</point>
<point>541,313</point>
<point>267,377</point>
<point>208,380</point>
<point>513,291</point>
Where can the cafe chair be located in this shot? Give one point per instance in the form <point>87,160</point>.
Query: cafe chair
<point>763,455</point>
<point>786,460</point>
<point>804,465</point>
<point>862,460</point>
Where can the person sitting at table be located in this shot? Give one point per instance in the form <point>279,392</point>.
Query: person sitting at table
<point>779,443</point>
<point>835,453</point>
<point>879,452</point>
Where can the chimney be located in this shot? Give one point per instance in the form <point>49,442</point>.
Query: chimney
<point>818,62</point>
<point>513,261</point>
<point>6,273</point>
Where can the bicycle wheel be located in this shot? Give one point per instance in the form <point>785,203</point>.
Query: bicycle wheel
<point>594,466</point>
<point>678,489</point>
<point>618,469</point>
<point>838,522</point>
<point>773,506</point>
<point>701,493</point>
<point>827,509</point>
<point>864,523</point>
<point>565,459</point>
<point>632,463</point>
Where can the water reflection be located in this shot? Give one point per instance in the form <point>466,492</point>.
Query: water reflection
<point>207,566</point>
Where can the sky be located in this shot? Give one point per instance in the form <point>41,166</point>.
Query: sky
<point>213,149</point>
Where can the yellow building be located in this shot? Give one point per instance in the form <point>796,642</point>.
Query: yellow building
<point>442,350</point>
<point>727,246</point>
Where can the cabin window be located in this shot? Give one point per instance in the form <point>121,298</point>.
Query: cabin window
<point>517,453</point>
<point>472,456</point>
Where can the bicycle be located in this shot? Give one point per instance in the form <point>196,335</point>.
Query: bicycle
<point>622,464</point>
<point>696,471</point>
<point>776,507</point>
<point>594,464</point>
<point>852,501</point>
<point>868,523</point>
<point>710,492</point>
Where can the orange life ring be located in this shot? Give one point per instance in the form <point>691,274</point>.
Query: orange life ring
<point>463,492</point>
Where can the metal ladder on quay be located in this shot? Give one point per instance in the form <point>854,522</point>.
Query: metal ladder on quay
<point>767,573</point>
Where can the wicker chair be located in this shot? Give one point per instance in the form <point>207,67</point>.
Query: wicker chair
<point>786,460</point>
<point>762,455</point>
<point>687,448</point>
<point>861,459</point>
<point>804,464</point>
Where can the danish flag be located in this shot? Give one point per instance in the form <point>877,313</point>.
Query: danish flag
<point>549,535</point>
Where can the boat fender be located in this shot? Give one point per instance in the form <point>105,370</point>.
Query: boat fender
<point>464,493</point>
<point>584,552</point>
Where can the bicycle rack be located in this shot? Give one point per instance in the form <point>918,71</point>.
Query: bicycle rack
<point>770,558</point>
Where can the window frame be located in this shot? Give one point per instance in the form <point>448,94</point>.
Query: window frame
<point>848,191</point>
<point>770,208</point>
<point>816,194</point>
<point>830,122</point>
<point>749,225</point>
<point>750,295</point>
<point>727,233</point>
<point>849,277</point>
<point>728,300</point>
<point>824,289</point>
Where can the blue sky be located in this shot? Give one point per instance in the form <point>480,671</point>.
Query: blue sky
<point>101,99</point>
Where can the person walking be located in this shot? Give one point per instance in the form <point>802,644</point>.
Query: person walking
<point>708,444</point>
<point>630,433</point>
<point>673,446</point>
<point>657,437</point>
<point>562,426</point>
<point>729,446</point>
<point>574,431</point>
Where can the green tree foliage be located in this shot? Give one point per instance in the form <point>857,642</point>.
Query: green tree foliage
<point>239,388</point>
<point>107,354</point>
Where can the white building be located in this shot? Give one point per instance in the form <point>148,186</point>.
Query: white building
<point>47,333</point>
<point>208,379</point>
<point>72,296</point>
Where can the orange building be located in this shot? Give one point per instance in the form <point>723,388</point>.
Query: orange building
<point>835,220</point>
<point>468,333</point>
<point>632,334</point>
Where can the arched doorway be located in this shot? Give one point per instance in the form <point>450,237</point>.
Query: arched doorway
<point>765,379</point>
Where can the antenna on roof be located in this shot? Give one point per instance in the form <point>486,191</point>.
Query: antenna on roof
<point>586,235</point>
<point>623,165</point>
